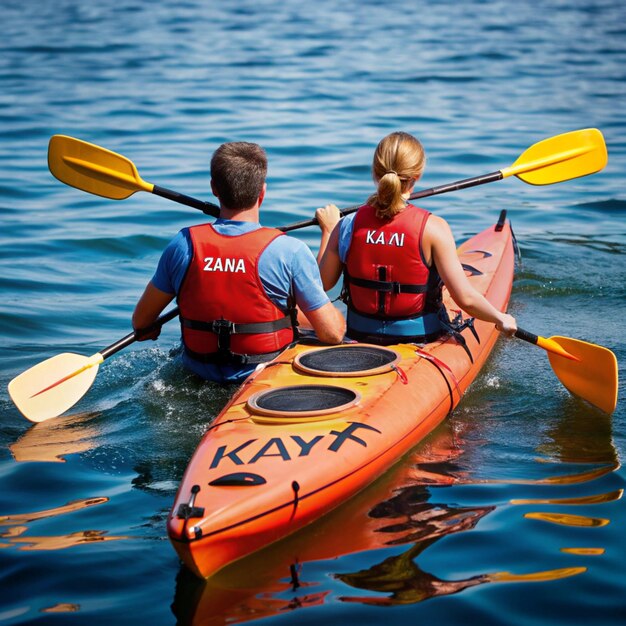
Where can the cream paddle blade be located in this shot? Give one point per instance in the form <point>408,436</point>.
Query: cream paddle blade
<point>585,369</point>
<point>102,172</point>
<point>51,387</point>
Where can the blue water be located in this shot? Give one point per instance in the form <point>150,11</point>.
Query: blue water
<point>521,479</point>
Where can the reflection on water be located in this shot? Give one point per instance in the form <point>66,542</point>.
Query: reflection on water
<point>421,520</point>
<point>412,506</point>
<point>579,434</point>
<point>571,478</point>
<point>60,542</point>
<point>584,551</point>
<point>400,577</point>
<point>405,583</point>
<point>62,608</point>
<point>554,574</point>
<point>567,519</point>
<point>70,507</point>
<point>54,439</point>
<point>612,496</point>
<point>18,525</point>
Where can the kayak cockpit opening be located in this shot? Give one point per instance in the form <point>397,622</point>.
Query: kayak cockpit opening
<point>301,403</point>
<point>347,360</point>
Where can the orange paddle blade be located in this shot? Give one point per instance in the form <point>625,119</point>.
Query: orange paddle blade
<point>593,376</point>
<point>555,347</point>
<point>53,386</point>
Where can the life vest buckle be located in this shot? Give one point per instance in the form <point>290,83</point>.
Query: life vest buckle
<point>222,327</point>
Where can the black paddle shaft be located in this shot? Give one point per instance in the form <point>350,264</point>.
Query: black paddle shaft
<point>461,184</point>
<point>425,193</point>
<point>520,333</point>
<point>213,210</point>
<point>137,334</point>
<point>206,207</point>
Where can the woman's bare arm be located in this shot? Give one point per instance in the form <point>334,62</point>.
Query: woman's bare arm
<point>328,256</point>
<point>439,244</point>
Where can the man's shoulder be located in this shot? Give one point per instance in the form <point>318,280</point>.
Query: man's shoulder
<point>287,242</point>
<point>288,253</point>
<point>180,241</point>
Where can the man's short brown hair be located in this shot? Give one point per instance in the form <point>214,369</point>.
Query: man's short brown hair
<point>238,171</point>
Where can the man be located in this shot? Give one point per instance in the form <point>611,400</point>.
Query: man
<point>237,283</point>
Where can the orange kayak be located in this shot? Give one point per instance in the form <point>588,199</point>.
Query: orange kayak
<point>312,428</point>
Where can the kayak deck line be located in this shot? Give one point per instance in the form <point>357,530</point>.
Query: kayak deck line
<point>262,477</point>
<point>441,366</point>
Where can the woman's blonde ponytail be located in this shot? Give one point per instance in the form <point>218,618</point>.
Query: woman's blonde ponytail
<point>398,162</point>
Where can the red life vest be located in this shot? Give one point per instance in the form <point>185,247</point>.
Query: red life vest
<point>386,275</point>
<point>226,315</point>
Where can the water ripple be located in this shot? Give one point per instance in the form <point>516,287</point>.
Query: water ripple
<point>164,84</point>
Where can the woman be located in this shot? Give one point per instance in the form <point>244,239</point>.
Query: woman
<point>394,257</point>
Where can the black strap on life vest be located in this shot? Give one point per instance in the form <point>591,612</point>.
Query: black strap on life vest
<point>381,286</point>
<point>224,329</point>
<point>231,358</point>
<point>387,286</point>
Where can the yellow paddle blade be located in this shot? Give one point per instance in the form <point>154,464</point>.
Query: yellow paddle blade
<point>53,386</point>
<point>94,169</point>
<point>593,377</point>
<point>563,157</point>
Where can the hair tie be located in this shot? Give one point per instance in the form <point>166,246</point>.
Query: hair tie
<point>391,172</point>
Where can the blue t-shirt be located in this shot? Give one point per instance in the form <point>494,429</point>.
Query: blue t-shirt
<point>346,228</point>
<point>287,266</point>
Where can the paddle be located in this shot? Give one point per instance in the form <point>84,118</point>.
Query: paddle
<point>53,386</point>
<point>104,173</point>
<point>585,369</point>
<point>553,160</point>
